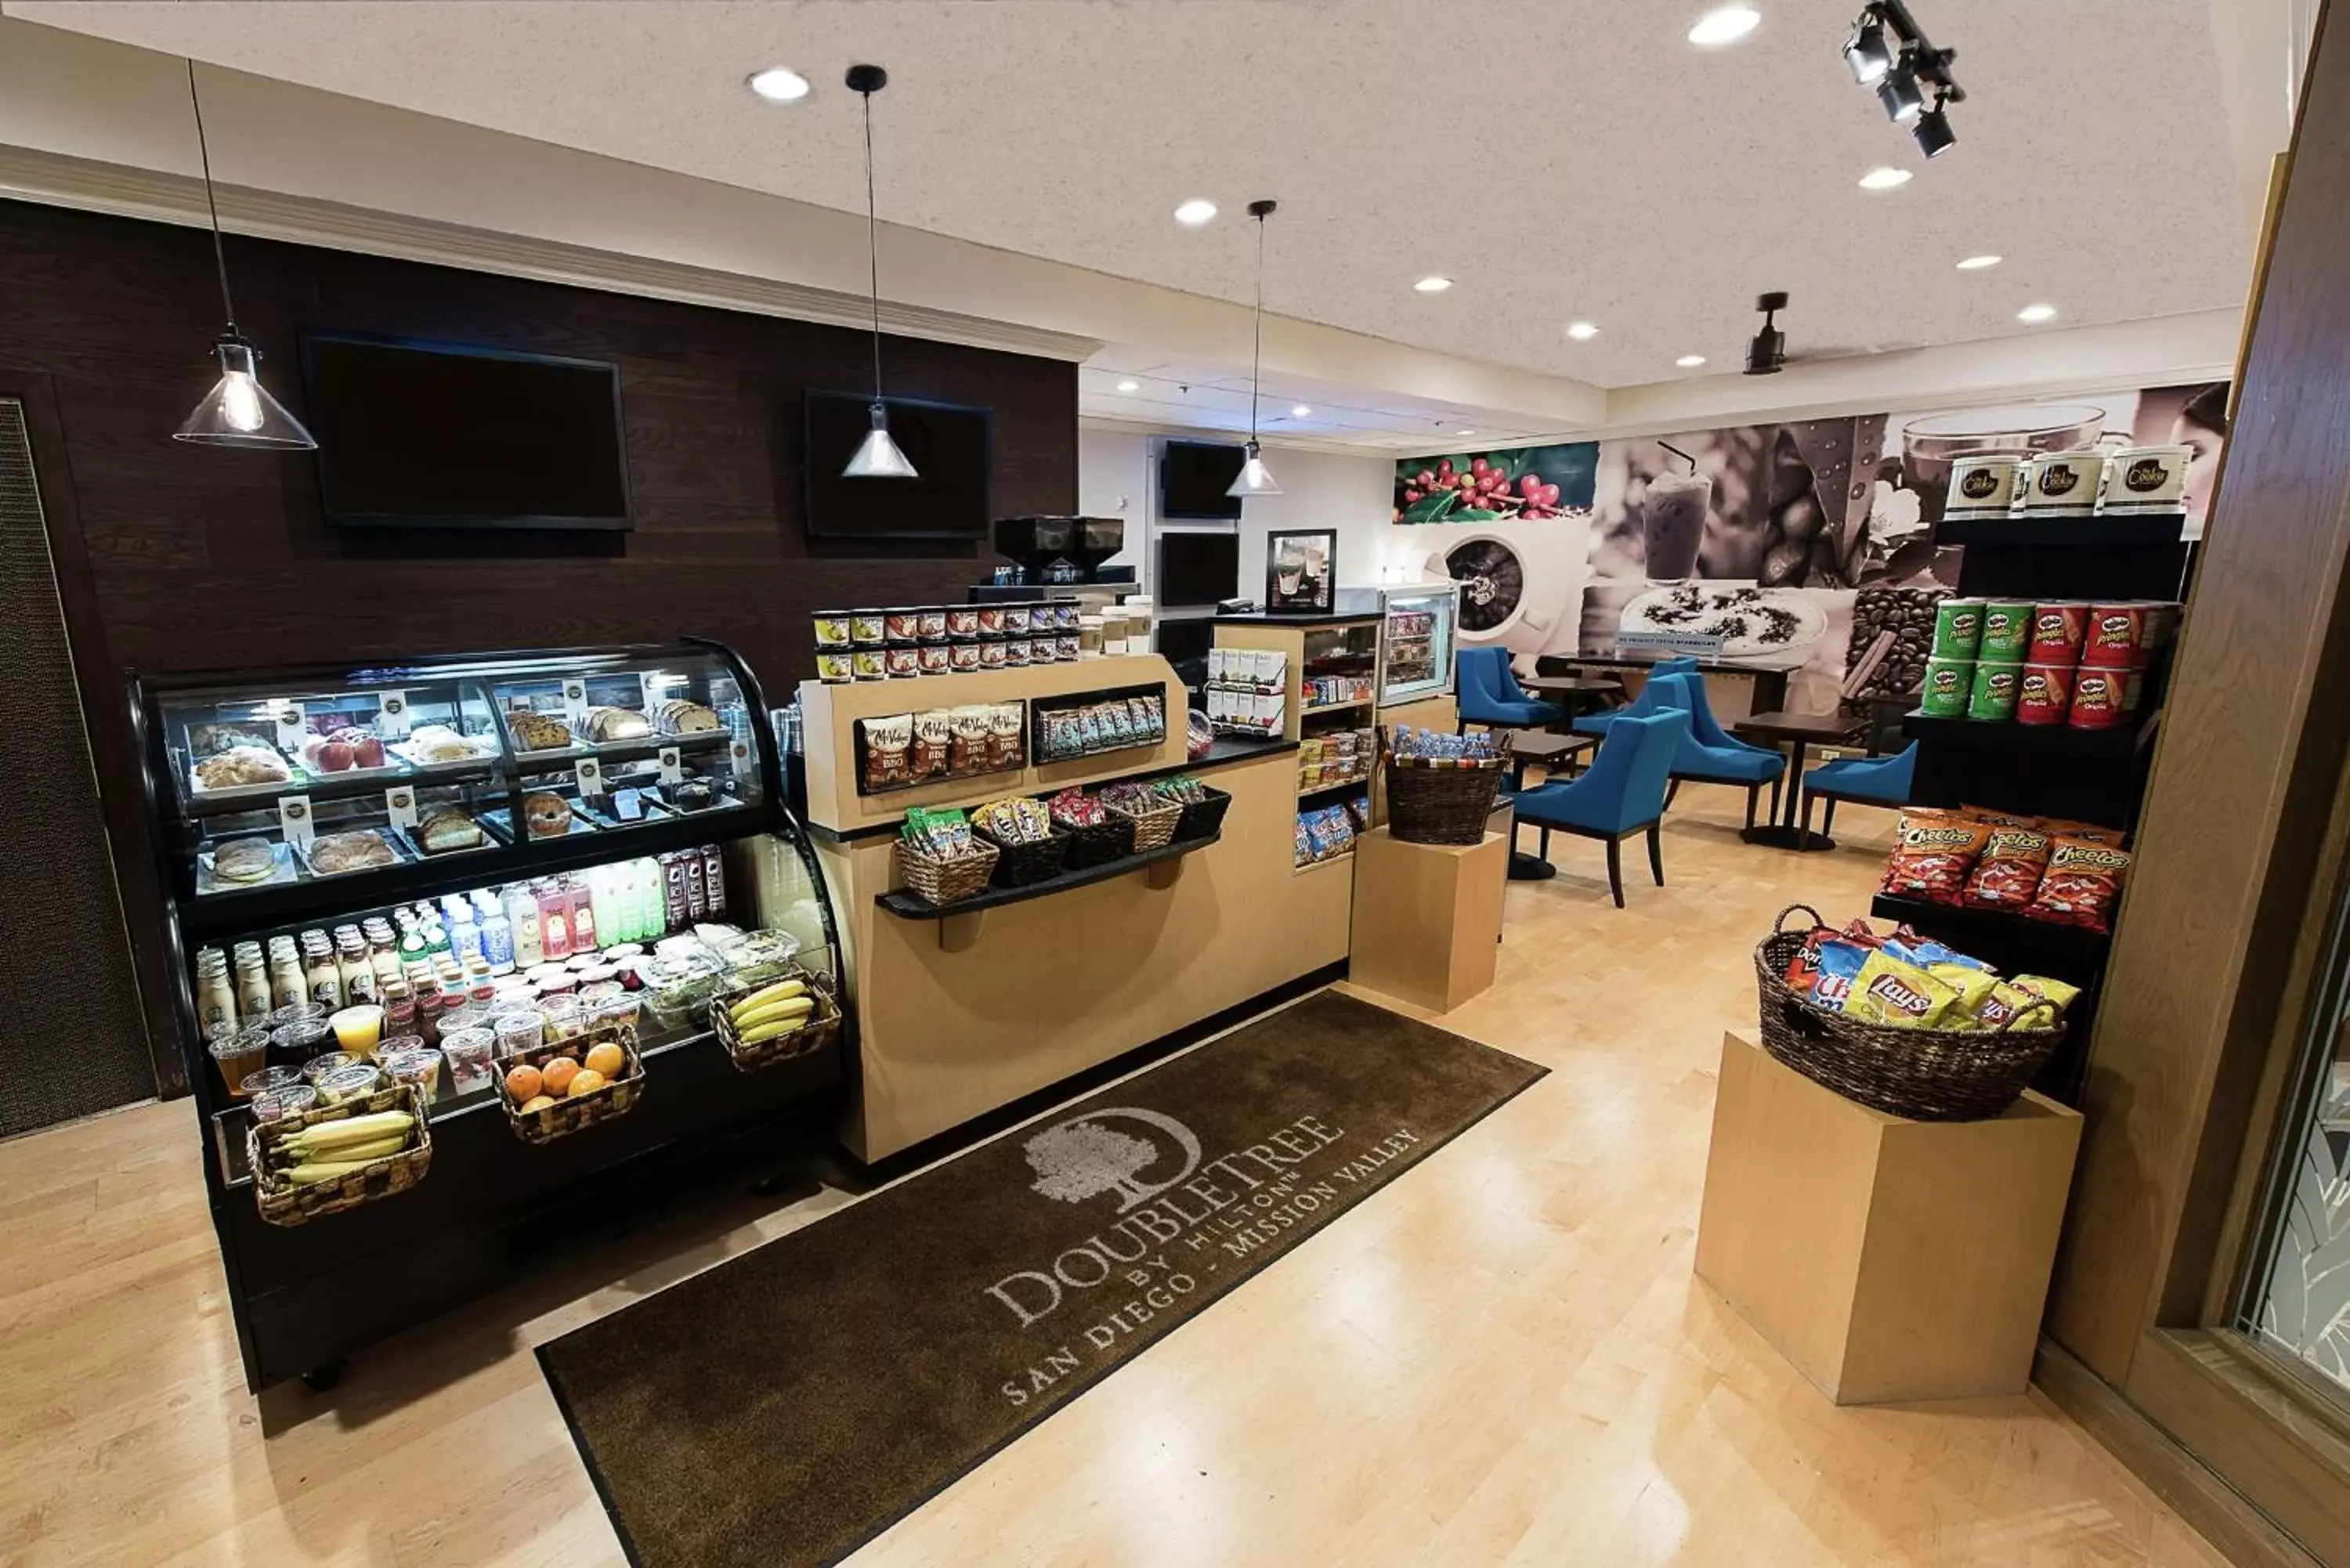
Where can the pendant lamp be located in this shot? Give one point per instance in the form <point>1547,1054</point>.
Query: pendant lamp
<point>238,412</point>
<point>1255,479</point>
<point>878,457</point>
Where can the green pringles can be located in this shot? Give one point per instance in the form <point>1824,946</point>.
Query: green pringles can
<point>1949,683</point>
<point>1959,628</point>
<point>2006,630</point>
<point>1995,689</point>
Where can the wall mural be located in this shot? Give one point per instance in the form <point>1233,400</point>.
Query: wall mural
<point>1795,542</point>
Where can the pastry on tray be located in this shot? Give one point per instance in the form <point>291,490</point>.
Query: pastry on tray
<point>211,740</point>
<point>334,853</point>
<point>244,860</point>
<point>679,717</point>
<point>430,744</point>
<point>448,829</point>
<point>546,816</point>
<point>616,724</point>
<point>534,731</point>
<point>241,765</point>
<point>692,795</point>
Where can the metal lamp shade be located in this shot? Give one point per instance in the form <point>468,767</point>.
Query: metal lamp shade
<point>1255,479</point>
<point>878,457</point>
<point>239,412</point>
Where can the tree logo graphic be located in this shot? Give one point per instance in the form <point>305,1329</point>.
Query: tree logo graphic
<point>1082,1157</point>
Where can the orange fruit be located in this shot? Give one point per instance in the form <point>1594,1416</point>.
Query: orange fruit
<point>523,1082</point>
<point>557,1075</point>
<point>586,1082</point>
<point>606,1060</point>
<point>538,1102</point>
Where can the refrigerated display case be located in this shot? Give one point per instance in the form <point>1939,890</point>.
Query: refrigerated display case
<point>593,834</point>
<point>1416,638</point>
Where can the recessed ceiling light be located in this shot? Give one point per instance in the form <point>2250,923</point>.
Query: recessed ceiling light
<point>779,84</point>
<point>1432,283</point>
<point>1884,178</point>
<point>2035,314</point>
<point>1300,411</point>
<point>1724,25</point>
<point>1582,331</point>
<point>1198,210</point>
<point>1129,385</point>
<point>1464,432</point>
<point>1977,263</point>
<point>1689,361</point>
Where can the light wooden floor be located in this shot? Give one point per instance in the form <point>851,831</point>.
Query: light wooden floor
<point>1502,1359</point>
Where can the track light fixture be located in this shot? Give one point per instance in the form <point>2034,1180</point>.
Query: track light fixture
<point>1891,54</point>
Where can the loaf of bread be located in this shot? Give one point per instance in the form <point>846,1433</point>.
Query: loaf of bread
<point>678,716</point>
<point>448,828</point>
<point>534,731</point>
<point>616,724</point>
<point>338,852</point>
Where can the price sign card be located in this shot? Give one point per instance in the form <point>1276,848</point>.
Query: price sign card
<point>400,805</point>
<point>672,766</point>
<point>294,818</point>
<point>392,723</point>
<point>575,700</point>
<point>591,776</point>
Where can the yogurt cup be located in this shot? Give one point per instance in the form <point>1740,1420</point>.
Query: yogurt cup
<point>832,629</point>
<point>867,629</point>
<point>836,668</point>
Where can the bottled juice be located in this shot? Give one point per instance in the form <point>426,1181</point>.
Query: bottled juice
<point>554,921</point>
<point>522,915</point>
<point>580,903</point>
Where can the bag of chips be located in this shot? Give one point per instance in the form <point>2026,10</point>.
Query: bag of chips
<point>1899,995</point>
<point>1840,962</point>
<point>2057,827</point>
<point>2009,872</point>
<point>1933,856</point>
<point>1992,818</point>
<point>2082,883</point>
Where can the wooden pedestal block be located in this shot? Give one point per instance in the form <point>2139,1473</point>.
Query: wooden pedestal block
<point>1888,1260</point>
<point>1428,917</point>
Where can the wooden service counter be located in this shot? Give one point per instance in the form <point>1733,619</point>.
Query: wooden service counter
<point>957,1016</point>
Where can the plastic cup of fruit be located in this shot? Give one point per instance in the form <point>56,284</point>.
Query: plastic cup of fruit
<point>518,1031</point>
<point>471,1055</point>
<point>239,1053</point>
<point>286,1100</point>
<point>317,1067</point>
<point>263,1079</point>
<point>390,1045</point>
<point>421,1067</point>
<point>565,1019</point>
<point>357,1029</point>
<point>291,1044</point>
<point>343,1084</point>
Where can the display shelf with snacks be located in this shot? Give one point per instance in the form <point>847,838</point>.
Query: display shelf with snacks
<point>1328,666</point>
<point>2047,740</point>
<point>909,905</point>
<point>2063,951</point>
<point>1416,641</point>
<point>343,935</point>
<point>2157,528</point>
<point>1081,724</point>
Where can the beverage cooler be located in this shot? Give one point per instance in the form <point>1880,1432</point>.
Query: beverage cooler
<point>512,902</point>
<point>1416,640</point>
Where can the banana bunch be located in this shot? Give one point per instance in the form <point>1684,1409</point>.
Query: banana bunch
<point>333,1149</point>
<point>770,1011</point>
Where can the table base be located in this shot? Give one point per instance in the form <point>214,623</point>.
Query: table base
<point>1778,835</point>
<point>1524,868</point>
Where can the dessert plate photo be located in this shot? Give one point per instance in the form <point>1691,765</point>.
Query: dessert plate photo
<point>1752,622</point>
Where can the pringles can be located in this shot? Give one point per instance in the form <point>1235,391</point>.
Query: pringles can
<point>1958,629</point>
<point>1948,683</point>
<point>2100,699</point>
<point>2006,630</point>
<point>1992,699</point>
<point>2046,695</point>
<point>2115,637</point>
<point>2057,630</point>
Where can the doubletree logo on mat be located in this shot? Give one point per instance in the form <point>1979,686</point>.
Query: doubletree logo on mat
<point>1180,1219</point>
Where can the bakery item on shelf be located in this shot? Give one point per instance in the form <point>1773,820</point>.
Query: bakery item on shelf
<point>692,795</point>
<point>241,765</point>
<point>534,732</point>
<point>244,860</point>
<point>546,816</point>
<point>337,852</point>
<point>211,740</point>
<point>341,749</point>
<point>448,828</point>
<point>430,744</point>
<point>616,724</point>
<point>677,716</point>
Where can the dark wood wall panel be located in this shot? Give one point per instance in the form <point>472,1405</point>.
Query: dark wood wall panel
<point>201,558</point>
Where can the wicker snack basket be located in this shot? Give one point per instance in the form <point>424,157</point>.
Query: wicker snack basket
<point>821,1028</point>
<point>1021,864</point>
<point>1154,825</point>
<point>1439,800</point>
<point>568,1115</point>
<point>1203,819</point>
<point>281,1202</point>
<point>937,881</point>
<point>1112,838</point>
<point>1924,1075</point>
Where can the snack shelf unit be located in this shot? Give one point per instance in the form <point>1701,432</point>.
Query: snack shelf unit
<point>2051,771</point>
<point>1162,863</point>
<point>492,1207</point>
<point>1315,645</point>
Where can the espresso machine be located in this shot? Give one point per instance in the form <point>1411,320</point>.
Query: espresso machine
<point>1057,555</point>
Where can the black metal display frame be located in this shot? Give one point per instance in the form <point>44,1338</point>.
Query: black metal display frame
<point>491,1206</point>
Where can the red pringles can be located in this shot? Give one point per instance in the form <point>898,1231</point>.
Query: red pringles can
<point>2101,698</point>
<point>2046,695</point>
<point>2115,638</point>
<point>2057,630</point>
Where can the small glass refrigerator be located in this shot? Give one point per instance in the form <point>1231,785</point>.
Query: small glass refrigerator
<point>1417,624</point>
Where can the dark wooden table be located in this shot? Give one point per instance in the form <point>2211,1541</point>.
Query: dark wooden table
<point>1572,690</point>
<point>1552,751</point>
<point>1770,680</point>
<point>1799,731</point>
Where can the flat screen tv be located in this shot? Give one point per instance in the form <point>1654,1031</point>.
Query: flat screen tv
<point>949,445</point>
<point>438,435</point>
<point>1193,476</point>
<point>1196,569</point>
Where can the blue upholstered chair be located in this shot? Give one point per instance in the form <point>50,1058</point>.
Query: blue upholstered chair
<point>1729,761</point>
<point>1489,694</point>
<point>1621,793</point>
<point>1873,781</point>
<point>1596,723</point>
